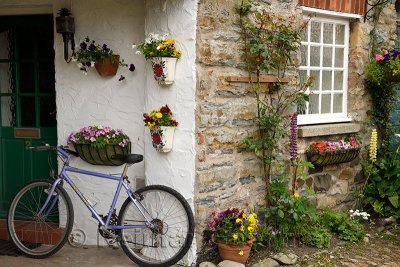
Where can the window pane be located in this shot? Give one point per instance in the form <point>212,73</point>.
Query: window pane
<point>46,77</point>
<point>8,111</point>
<point>339,57</point>
<point>314,59</point>
<point>304,35</point>
<point>7,78</point>
<point>326,104</point>
<point>304,55</point>
<point>339,34</point>
<point>338,80</point>
<point>24,43</point>
<point>315,31</point>
<point>326,80</point>
<point>45,39</point>
<point>315,85</point>
<point>48,111</point>
<point>337,103</point>
<point>26,78</point>
<point>28,113</point>
<point>313,104</point>
<point>327,57</point>
<point>328,33</point>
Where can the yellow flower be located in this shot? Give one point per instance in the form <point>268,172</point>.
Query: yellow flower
<point>158,115</point>
<point>296,195</point>
<point>254,215</point>
<point>149,124</point>
<point>242,228</point>
<point>235,236</point>
<point>240,252</point>
<point>251,229</point>
<point>244,216</point>
<point>238,220</point>
<point>372,146</point>
<point>152,113</point>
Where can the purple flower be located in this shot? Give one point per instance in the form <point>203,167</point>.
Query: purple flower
<point>92,47</point>
<point>132,67</point>
<point>229,232</point>
<point>293,137</point>
<point>273,233</point>
<point>121,78</point>
<point>87,39</point>
<point>83,69</point>
<point>105,48</point>
<point>83,45</point>
<point>88,64</point>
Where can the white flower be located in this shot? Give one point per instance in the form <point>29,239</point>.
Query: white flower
<point>163,37</point>
<point>133,46</point>
<point>84,72</point>
<point>351,211</point>
<point>147,41</point>
<point>151,34</point>
<point>158,47</point>
<point>156,37</point>
<point>74,59</point>
<point>80,65</point>
<point>138,53</point>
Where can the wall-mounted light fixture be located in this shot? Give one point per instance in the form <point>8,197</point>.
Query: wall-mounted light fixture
<point>66,26</point>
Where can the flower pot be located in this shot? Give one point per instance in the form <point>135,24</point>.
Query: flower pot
<point>162,138</point>
<point>102,156</point>
<point>164,69</point>
<point>230,251</point>
<point>106,68</point>
<point>332,157</point>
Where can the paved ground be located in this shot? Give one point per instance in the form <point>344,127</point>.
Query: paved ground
<point>69,256</point>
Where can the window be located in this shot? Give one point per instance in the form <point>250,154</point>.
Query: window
<point>324,55</point>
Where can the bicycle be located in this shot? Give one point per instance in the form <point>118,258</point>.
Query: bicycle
<point>154,227</point>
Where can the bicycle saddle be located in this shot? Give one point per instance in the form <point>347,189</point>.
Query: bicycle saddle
<point>128,158</point>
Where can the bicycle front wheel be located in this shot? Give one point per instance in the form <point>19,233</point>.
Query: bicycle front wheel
<point>40,236</point>
<point>173,231</point>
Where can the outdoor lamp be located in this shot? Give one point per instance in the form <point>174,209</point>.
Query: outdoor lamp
<point>66,26</point>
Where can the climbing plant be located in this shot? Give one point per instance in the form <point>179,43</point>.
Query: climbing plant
<point>270,46</point>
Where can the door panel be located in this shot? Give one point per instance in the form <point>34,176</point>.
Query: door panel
<point>27,97</point>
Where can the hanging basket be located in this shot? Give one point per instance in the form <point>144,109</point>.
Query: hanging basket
<point>164,69</point>
<point>332,157</point>
<point>230,251</point>
<point>106,68</point>
<point>102,156</point>
<point>162,138</point>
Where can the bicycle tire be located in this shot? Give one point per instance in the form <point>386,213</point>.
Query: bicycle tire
<point>129,212</point>
<point>47,237</point>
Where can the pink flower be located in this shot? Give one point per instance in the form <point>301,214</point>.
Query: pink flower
<point>379,57</point>
<point>108,137</point>
<point>87,137</point>
<point>92,139</point>
<point>385,52</point>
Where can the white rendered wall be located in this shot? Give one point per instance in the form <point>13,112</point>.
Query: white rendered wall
<point>176,169</point>
<point>94,100</point>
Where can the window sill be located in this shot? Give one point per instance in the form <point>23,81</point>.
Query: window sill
<point>328,129</point>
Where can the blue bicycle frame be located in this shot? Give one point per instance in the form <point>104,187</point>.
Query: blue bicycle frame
<point>63,176</point>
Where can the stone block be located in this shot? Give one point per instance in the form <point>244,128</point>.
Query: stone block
<point>227,263</point>
<point>266,263</point>
<point>309,181</point>
<point>346,174</point>
<point>322,183</point>
<point>359,177</point>
<point>327,202</point>
<point>207,264</point>
<point>340,187</point>
<point>207,201</point>
<point>328,129</point>
<point>331,167</point>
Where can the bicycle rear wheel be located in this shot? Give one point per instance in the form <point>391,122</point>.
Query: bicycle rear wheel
<point>40,236</point>
<point>172,236</point>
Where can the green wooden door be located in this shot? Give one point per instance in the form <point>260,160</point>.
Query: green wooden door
<point>27,96</point>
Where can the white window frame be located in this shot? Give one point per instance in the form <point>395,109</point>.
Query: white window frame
<point>327,17</point>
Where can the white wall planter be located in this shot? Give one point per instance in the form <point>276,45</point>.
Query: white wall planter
<point>164,69</point>
<point>162,138</point>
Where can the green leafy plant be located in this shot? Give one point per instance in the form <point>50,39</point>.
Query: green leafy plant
<point>315,235</point>
<point>270,42</point>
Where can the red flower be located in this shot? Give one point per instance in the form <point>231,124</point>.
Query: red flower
<point>321,144</point>
<point>158,70</point>
<point>156,138</point>
<point>321,150</point>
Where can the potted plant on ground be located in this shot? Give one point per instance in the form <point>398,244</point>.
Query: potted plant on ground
<point>327,153</point>
<point>163,55</point>
<point>100,57</point>
<point>234,232</point>
<point>162,127</point>
<point>96,144</point>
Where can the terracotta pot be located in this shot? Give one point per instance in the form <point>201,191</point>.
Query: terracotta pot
<point>162,138</point>
<point>230,251</point>
<point>164,69</point>
<point>105,68</point>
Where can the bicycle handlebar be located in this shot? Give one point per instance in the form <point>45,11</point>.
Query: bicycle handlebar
<point>48,147</point>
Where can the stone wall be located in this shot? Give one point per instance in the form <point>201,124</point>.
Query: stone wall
<point>226,175</point>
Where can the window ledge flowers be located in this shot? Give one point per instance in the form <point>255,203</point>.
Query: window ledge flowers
<point>326,153</point>
<point>162,54</point>
<point>96,144</point>
<point>102,58</point>
<point>162,127</point>
<point>234,232</point>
